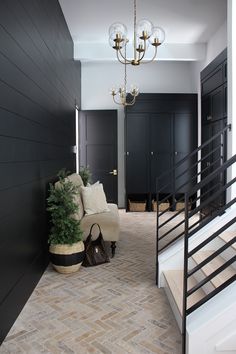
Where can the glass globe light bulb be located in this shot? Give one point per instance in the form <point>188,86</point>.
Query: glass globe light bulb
<point>134,90</point>
<point>144,29</point>
<point>117,30</point>
<point>140,45</point>
<point>157,37</point>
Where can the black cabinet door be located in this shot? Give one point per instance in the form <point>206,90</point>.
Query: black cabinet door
<point>137,165</point>
<point>185,141</point>
<point>161,148</point>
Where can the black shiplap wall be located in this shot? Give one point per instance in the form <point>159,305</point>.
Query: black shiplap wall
<point>39,85</point>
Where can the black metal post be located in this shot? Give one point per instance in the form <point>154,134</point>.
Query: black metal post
<point>185,280</point>
<point>157,241</point>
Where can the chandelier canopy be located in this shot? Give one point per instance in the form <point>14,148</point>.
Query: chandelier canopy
<point>144,34</point>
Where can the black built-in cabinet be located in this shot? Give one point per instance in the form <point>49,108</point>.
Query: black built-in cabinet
<point>161,129</point>
<point>214,119</point>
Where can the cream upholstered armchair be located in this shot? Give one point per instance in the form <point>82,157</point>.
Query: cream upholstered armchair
<point>107,216</point>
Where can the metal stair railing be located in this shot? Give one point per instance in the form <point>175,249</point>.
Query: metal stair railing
<point>189,253</point>
<point>168,235</point>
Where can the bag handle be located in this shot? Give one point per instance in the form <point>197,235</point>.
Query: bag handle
<point>90,232</point>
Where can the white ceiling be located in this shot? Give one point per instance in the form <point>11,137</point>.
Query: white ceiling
<point>186,22</point>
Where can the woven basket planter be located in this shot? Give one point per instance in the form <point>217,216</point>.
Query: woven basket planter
<point>137,206</point>
<point>67,258</point>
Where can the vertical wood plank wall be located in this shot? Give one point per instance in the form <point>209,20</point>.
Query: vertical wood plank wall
<point>39,85</point>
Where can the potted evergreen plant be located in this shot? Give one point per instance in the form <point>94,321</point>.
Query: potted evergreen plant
<point>85,174</point>
<point>65,238</point>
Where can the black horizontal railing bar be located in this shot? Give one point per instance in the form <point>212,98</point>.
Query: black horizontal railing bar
<point>212,198</point>
<point>170,195</point>
<point>167,209</point>
<point>207,191</point>
<point>211,152</point>
<point>216,186</point>
<point>193,178</point>
<point>195,151</point>
<point>194,165</point>
<point>172,241</point>
<point>190,180</point>
<point>194,224</point>
<point>160,190</point>
<point>209,178</point>
<point>206,202</point>
<point>182,233</point>
<point>209,218</point>
<point>211,257</point>
<point>211,276</point>
<point>173,228</point>
<point>210,166</point>
<point>171,218</point>
<point>212,237</point>
<point>166,198</point>
<point>211,295</point>
<point>208,154</point>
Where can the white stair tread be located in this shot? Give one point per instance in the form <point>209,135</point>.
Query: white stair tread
<point>174,278</point>
<point>227,236</point>
<point>212,266</point>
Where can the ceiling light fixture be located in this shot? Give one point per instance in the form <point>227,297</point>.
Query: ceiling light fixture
<point>144,33</point>
<point>125,97</point>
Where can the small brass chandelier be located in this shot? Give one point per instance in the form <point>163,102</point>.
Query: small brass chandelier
<point>144,34</point>
<point>125,97</point>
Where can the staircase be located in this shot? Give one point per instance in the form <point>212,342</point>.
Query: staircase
<point>196,255</point>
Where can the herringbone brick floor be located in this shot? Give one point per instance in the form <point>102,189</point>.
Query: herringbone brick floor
<point>114,308</point>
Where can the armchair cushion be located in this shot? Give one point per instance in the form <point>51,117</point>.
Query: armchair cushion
<point>94,199</point>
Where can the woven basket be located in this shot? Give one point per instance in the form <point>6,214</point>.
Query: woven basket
<point>67,258</point>
<point>137,206</point>
<point>181,205</point>
<point>162,206</point>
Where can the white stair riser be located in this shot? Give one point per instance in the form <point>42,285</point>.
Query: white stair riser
<point>173,305</point>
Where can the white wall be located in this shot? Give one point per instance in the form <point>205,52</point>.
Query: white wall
<point>157,77</point>
<point>216,44</point>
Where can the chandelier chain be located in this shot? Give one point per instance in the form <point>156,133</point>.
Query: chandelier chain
<point>125,71</point>
<point>135,21</point>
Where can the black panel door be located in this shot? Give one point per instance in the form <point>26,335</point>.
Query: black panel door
<point>213,107</point>
<point>98,148</point>
<point>213,159</point>
<point>184,142</point>
<point>137,175</point>
<point>161,146</point>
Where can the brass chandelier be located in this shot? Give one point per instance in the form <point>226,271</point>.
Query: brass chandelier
<point>144,34</point>
<point>122,96</point>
